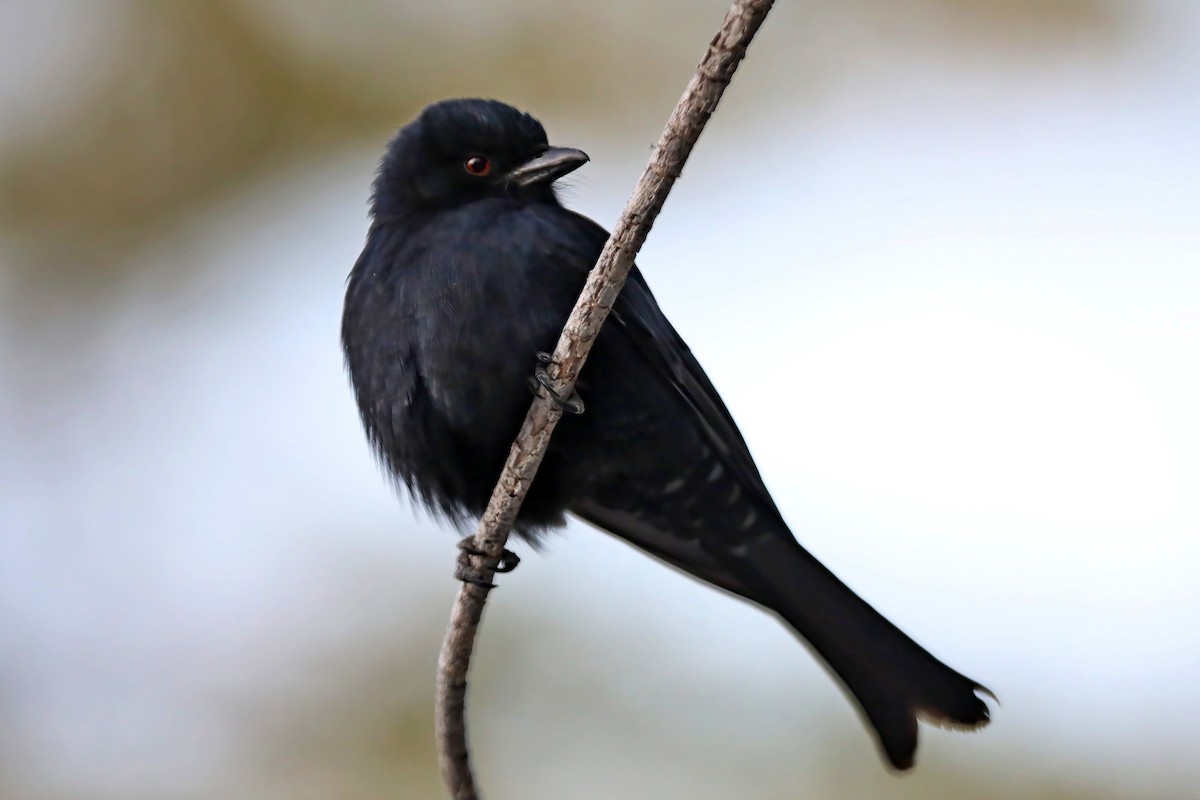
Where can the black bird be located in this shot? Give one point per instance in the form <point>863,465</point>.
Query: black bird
<point>471,266</point>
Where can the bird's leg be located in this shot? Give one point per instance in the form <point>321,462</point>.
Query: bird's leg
<point>569,405</point>
<point>466,571</point>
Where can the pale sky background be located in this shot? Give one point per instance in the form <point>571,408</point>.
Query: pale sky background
<point>955,310</point>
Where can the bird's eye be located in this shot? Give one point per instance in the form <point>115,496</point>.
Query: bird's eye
<point>477,166</point>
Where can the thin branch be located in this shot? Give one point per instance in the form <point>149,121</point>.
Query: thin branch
<point>604,282</point>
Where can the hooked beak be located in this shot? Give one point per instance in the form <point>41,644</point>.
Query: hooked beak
<point>547,167</point>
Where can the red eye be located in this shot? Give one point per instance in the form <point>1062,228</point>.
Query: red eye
<point>477,166</point>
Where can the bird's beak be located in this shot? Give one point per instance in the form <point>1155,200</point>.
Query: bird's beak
<point>547,167</point>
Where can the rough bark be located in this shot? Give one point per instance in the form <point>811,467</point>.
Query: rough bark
<point>604,282</point>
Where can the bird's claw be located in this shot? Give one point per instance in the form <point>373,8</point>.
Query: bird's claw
<point>466,571</point>
<point>569,405</point>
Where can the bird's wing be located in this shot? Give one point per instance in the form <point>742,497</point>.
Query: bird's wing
<point>637,318</point>
<point>685,555</point>
<point>636,315</point>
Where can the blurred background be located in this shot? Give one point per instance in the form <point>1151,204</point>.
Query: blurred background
<point>942,258</point>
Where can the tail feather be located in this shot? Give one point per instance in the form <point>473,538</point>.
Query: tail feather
<point>894,680</point>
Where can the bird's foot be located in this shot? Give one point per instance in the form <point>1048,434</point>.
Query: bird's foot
<point>466,571</point>
<point>569,405</point>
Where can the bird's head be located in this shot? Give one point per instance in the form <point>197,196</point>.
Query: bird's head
<point>457,151</point>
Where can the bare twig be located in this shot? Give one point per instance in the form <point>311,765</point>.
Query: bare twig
<point>604,282</point>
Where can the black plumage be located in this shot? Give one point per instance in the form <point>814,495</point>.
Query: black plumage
<point>470,269</point>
